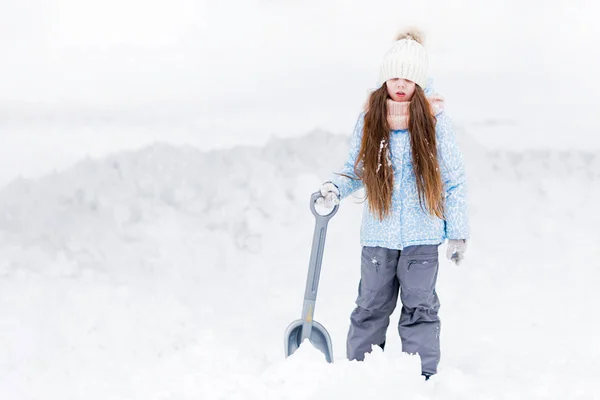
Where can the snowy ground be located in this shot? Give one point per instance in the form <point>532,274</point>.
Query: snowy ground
<point>170,273</point>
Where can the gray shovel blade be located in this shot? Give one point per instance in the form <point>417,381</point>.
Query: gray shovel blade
<point>319,338</point>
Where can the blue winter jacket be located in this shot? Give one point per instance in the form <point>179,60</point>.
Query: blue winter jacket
<point>408,224</point>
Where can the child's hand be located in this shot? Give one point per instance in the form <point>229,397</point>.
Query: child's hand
<point>456,250</point>
<point>330,195</point>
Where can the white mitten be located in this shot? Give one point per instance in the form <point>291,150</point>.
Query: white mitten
<point>456,250</point>
<point>330,195</point>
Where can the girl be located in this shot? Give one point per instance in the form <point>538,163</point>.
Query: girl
<point>403,152</point>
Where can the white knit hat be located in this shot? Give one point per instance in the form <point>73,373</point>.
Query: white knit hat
<point>406,59</point>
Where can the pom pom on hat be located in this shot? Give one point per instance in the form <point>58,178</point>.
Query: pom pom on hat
<point>413,33</point>
<point>407,59</point>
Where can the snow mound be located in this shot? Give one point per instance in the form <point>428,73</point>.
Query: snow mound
<point>98,212</point>
<point>542,164</point>
<point>99,208</point>
<point>168,272</point>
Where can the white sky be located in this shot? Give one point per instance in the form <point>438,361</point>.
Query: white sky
<point>227,72</point>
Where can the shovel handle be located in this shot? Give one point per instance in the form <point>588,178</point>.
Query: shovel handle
<point>319,217</point>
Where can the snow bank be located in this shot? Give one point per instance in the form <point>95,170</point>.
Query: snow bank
<point>167,272</point>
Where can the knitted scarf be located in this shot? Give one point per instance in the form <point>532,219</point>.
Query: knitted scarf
<point>398,111</point>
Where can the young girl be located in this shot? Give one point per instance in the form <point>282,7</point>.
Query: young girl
<point>404,153</point>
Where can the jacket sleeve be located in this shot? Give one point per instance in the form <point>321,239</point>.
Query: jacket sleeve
<point>345,185</point>
<point>456,221</point>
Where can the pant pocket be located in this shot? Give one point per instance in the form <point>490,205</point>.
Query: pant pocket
<point>419,273</point>
<point>377,287</point>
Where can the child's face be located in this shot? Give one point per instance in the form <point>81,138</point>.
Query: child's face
<point>400,89</point>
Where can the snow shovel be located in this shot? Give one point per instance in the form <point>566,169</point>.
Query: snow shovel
<point>306,327</point>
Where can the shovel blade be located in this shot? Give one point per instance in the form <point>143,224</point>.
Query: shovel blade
<point>319,338</point>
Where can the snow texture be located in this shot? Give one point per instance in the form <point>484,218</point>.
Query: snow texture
<point>170,273</point>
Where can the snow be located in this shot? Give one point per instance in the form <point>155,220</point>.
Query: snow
<point>148,253</point>
<point>170,272</point>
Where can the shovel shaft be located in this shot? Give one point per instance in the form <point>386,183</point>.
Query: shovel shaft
<point>308,310</point>
<point>316,259</point>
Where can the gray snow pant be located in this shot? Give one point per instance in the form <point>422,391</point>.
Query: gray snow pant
<point>384,273</point>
